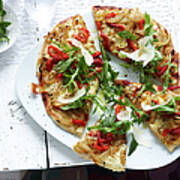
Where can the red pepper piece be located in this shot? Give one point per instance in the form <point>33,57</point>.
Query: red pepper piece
<point>56,53</point>
<point>165,132</point>
<point>120,26</point>
<point>79,122</point>
<point>141,24</point>
<point>98,62</point>
<point>162,70</point>
<point>117,109</point>
<point>173,87</point>
<point>164,49</point>
<point>98,69</point>
<point>159,88</point>
<point>91,133</point>
<point>79,84</point>
<point>125,82</point>
<point>175,131</point>
<point>131,44</point>
<point>98,25</point>
<point>59,76</point>
<point>137,114</point>
<point>49,64</point>
<point>155,101</point>
<point>86,116</point>
<point>178,113</point>
<point>105,40</point>
<point>110,15</point>
<point>96,54</point>
<point>100,147</point>
<point>34,88</point>
<point>83,35</point>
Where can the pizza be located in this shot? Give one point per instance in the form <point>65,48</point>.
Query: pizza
<point>163,110</point>
<point>136,39</point>
<point>71,71</point>
<point>66,71</point>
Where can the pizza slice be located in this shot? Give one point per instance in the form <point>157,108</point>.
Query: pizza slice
<point>162,108</point>
<point>141,42</point>
<point>66,70</point>
<point>106,149</point>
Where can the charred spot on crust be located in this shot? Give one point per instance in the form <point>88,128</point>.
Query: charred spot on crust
<point>172,52</point>
<point>44,98</point>
<point>58,121</point>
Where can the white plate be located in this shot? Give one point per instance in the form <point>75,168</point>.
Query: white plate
<point>12,30</point>
<point>142,158</point>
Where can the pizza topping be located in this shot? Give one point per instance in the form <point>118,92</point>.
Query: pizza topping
<point>56,53</point>
<point>127,35</point>
<point>66,99</point>
<point>110,15</point>
<point>60,75</point>
<point>131,44</point>
<point>83,35</point>
<point>98,62</point>
<point>173,87</point>
<point>35,89</point>
<point>174,131</point>
<point>141,24</point>
<point>144,54</point>
<point>119,26</point>
<point>161,70</point>
<point>79,122</point>
<point>87,56</point>
<point>96,54</point>
<point>105,40</point>
<point>49,64</point>
<point>125,115</point>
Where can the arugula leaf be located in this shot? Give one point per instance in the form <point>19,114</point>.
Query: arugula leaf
<point>133,145</point>
<point>125,65</point>
<point>127,35</point>
<point>166,74</point>
<point>148,27</point>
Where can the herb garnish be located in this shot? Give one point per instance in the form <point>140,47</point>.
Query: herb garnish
<point>3,24</point>
<point>133,145</point>
<point>127,35</point>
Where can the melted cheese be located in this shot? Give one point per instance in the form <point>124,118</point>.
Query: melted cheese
<point>125,115</point>
<point>144,54</point>
<point>87,56</point>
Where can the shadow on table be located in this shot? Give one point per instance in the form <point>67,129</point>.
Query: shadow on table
<point>93,172</point>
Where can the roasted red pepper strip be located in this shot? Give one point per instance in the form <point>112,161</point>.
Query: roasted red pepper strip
<point>56,53</point>
<point>117,109</point>
<point>155,101</point>
<point>34,88</point>
<point>175,131</point>
<point>125,82</point>
<point>173,87</point>
<point>105,40</point>
<point>79,84</point>
<point>120,26</point>
<point>98,62</point>
<point>79,122</point>
<point>83,35</point>
<point>98,24</point>
<point>159,88</point>
<point>165,132</point>
<point>49,64</point>
<point>98,69</point>
<point>110,15</point>
<point>60,75</point>
<point>137,114</point>
<point>100,147</point>
<point>96,54</point>
<point>162,70</point>
<point>178,113</point>
<point>141,24</point>
<point>131,44</point>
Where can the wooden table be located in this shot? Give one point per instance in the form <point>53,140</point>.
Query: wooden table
<point>24,145</point>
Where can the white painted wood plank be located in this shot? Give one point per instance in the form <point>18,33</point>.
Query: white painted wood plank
<point>22,144</point>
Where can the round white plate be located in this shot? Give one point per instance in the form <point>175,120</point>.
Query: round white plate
<point>12,30</point>
<point>142,158</point>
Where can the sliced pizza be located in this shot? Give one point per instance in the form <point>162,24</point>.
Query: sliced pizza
<point>104,148</point>
<point>141,42</point>
<point>162,108</point>
<point>66,70</point>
